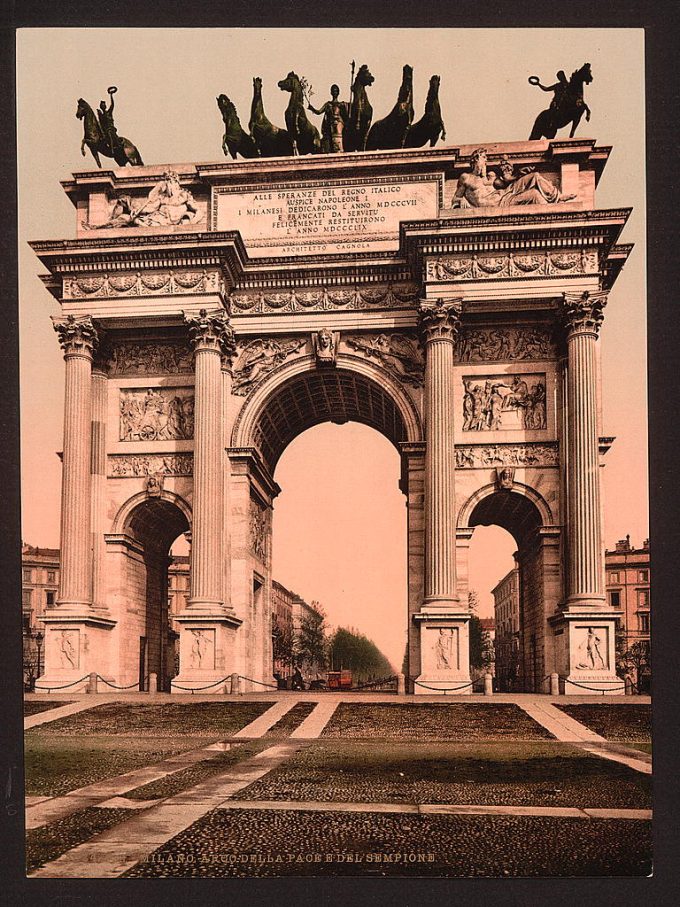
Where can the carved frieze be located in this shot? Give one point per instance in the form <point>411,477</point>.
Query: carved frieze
<point>512,265</point>
<point>324,299</point>
<point>157,414</point>
<point>260,524</point>
<point>142,283</point>
<point>496,344</point>
<point>504,402</point>
<point>132,465</point>
<point>399,354</point>
<point>150,357</point>
<point>257,358</point>
<point>480,456</point>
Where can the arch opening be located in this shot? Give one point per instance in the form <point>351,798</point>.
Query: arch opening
<point>515,513</point>
<point>332,395</point>
<point>153,525</point>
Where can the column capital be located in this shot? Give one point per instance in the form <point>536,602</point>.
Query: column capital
<point>440,318</point>
<point>583,312</point>
<point>77,335</point>
<point>212,331</point>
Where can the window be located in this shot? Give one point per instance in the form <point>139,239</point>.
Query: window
<point>26,621</point>
<point>614,577</point>
<point>49,598</point>
<point>643,598</point>
<point>26,598</point>
<point>51,576</point>
<point>643,622</point>
<point>615,599</point>
<point>643,576</point>
<point>27,574</point>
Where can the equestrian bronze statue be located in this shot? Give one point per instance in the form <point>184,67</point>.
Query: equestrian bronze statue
<point>360,112</point>
<point>101,136</point>
<point>236,140</point>
<point>392,130</point>
<point>304,135</point>
<point>270,140</point>
<point>430,126</point>
<point>567,105</point>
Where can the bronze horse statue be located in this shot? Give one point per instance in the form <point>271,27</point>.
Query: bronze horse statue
<point>305,136</point>
<point>392,130</point>
<point>236,140</point>
<point>270,141</point>
<point>94,138</point>
<point>567,105</point>
<point>430,126</point>
<point>360,112</point>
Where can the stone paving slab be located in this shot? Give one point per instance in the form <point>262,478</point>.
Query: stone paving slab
<point>260,726</point>
<point>107,854</point>
<point>127,803</point>
<point>316,721</point>
<point>560,725</point>
<point>636,761</point>
<point>60,712</point>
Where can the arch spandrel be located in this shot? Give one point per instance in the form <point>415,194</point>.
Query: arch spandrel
<point>299,395</point>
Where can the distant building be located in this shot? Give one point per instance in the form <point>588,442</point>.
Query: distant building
<point>507,632</point>
<point>282,624</point>
<point>628,579</point>
<point>39,586</point>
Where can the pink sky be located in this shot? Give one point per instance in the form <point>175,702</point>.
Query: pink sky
<point>340,519</point>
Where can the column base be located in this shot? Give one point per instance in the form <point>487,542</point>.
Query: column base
<point>75,646</point>
<point>444,652</point>
<point>585,651</point>
<point>206,651</point>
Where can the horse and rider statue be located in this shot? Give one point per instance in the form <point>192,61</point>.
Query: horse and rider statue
<point>101,136</point>
<point>567,105</point>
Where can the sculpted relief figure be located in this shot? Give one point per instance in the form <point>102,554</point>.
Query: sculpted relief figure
<point>482,189</point>
<point>167,204</point>
<point>399,354</point>
<point>157,415</point>
<point>199,649</point>
<point>325,345</point>
<point>589,654</point>
<point>485,402</point>
<point>444,648</point>
<point>257,359</point>
<point>68,656</point>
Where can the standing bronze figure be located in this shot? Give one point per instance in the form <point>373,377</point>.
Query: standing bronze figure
<point>430,126</point>
<point>101,136</point>
<point>567,105</point>
<point>335,116</point>
<point>305,136</point>
<point>391,131</point>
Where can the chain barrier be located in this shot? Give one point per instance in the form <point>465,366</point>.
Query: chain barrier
<point>63,687</point>
<point>443,689</point>
<point>583,686</point>
<point>198,689</point>
<point>128,687</point>
<point>250,680</point>
<point>372,683</point>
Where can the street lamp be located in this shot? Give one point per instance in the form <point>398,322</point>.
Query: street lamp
<point>38,641</point>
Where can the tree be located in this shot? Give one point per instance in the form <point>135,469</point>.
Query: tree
<point>636,663</point>
<point>310,644</point>
<point>355,652</point>
<point>282,644</point>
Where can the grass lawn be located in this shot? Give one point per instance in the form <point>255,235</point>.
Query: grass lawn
<point>57,765</point>
<point>248,843</point>
<point>206,719</point>
<point>34,707</point>
<point>49,842</point>
<point>545,774</point>
<point>430,721</point>
<point>619,723</point>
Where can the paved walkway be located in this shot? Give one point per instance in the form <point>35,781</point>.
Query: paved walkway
<point>266,721</point>
<point>111,853</point>
<point>316,721</point>
<point>439,809</point>
<point>62,711</point>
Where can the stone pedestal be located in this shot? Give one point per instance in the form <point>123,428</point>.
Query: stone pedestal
<point>206,651</point>
<point>444,653</point>
<point>586,652</point>
<point>75,647</point>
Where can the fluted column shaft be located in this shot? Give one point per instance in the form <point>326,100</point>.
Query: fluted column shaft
<point>439,322</point>
<point>212,338</point>
<point>78,339</point>
<point>98,470</point>
<point>583,316</point>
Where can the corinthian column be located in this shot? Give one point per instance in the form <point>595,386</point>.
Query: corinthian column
<point>78,339</point>
<point>440,321</point>
<point>583,315</point>
<point>212,338</point>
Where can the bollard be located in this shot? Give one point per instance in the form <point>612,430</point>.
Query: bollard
<point>92,683</point>
<point>629,686</point>
<point>488,685</point>
<point>401,685</point>
<point>554,684</point>
<point>153,683</point>
<point>235,685</point>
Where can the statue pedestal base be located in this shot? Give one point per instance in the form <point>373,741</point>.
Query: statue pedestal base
<point>75,645</point>
<point>206,651</point>
<point>444,652</point>
<point>585,651</point>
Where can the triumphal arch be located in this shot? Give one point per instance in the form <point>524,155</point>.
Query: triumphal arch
<point>451,298</point>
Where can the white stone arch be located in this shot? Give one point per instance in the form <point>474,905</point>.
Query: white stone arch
<point>125,511</point>
<point>466,511</point>
<point>257,400</point>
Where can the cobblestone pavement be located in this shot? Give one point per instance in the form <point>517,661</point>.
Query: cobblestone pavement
<point>624,722</point>
<point>287,843</point>
<point>430,721</point>
<point>49,842</point>
<point>35,707</point>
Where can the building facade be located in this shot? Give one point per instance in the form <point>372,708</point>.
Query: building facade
<point>628,572</point>
<point>39,585</point>
<point>201,336</point>
<point>507,637</point>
